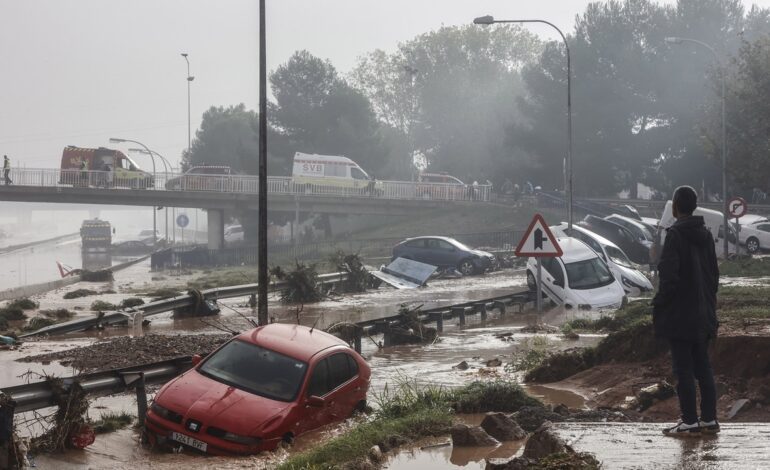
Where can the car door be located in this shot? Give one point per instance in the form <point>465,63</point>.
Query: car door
<point>553,279</point>
<point>446,254</point>
<point>318,386</point>
<point>344,389</point>
<point>431,253</point>
<point>763,234</point>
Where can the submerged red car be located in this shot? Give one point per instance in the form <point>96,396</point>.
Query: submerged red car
<point>264,386</point>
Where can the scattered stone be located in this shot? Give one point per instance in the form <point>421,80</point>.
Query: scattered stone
<point>649,395</point>
<point>561,409</point>
<point>530,418</point>
<point>571,335</point>
<point>737,407</point>
<point>461,366</point>
<point>518,463</point>
<point>375,454</point>
<point>471,436</point>
<point>543,442</point>
<point>494,362</point>
<point>502,427</point>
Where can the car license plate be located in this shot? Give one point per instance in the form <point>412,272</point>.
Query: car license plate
<point>187,440</point>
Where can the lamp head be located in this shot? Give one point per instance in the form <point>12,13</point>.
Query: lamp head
<point>115,140</point>
<point>673,40</point>
<point>485,20</point>
<point>184,54</point>
<point>189,79</point>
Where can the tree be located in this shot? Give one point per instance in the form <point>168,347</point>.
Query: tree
<point>451,93</point>
<point>316,111</point>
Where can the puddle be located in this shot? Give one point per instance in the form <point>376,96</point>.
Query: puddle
<point>440,455</point>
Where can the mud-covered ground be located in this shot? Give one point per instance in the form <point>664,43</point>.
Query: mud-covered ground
<point>125,351</point>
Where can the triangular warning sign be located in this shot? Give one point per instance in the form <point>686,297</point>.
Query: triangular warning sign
<point>538,240</point>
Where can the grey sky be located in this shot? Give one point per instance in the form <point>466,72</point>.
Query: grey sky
<point>77,72</point>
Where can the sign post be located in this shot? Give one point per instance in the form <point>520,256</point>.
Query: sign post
<point>737,207</point>
<point>538,242</point>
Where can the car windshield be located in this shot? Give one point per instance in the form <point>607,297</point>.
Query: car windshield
<point>618,257</point>
<point>458,244</point>
<point>588,274</point>
<point>256,370</point>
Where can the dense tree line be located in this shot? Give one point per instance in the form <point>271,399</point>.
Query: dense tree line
<point>490,103</point>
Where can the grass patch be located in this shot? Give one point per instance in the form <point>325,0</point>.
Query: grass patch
<point>163,293</point>
<point>102,306</point>
<point>407,413</point>
<point>78,293</point>
<point>38,322</point>
<point>223,278</point>
<point>12,313</point>
<point>24,303</point>
<point>622,318</point>
<point>58,314</point>
<point>532,353</point>
<point>111,422</point>
<point>747,267</point>
<point>130,302</point>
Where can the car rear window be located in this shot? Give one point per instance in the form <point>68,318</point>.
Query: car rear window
<point>256,370</point>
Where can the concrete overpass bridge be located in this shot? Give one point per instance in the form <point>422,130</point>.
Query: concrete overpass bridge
<point>219,193</point>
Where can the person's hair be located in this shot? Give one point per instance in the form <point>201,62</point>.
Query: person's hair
<point>685,200</point>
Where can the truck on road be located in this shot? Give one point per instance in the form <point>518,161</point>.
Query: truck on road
<point>102,167</point>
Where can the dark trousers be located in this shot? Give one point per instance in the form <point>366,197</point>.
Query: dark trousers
<point>6,171</point>
<point>691,362</point>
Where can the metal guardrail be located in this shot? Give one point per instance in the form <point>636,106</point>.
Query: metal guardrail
<point>167,305</point>
<point>39,395</point>
<point>248,184</point>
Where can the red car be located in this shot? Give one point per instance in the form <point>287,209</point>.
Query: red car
<point>264,386</point>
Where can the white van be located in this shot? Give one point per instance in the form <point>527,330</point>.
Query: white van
<point>634,282</point>
<point>329,170</point>
<point>578,279</point>
<point>714,223</point>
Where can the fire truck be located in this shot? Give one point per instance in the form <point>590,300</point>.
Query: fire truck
<point>102,167</point>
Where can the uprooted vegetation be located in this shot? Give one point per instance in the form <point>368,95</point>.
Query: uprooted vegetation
<point>78,293</point>
<point>358,279</point>
<point>112,421</point>
<point>302,284</point>
<point>14,311</point>
<point>102,306</point>
<point>406,413</point>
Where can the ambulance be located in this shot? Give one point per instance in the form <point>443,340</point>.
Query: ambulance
<point>324,171</point>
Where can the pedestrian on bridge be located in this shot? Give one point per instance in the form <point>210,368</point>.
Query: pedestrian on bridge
<point>684,312</point>
<point>6,170</point>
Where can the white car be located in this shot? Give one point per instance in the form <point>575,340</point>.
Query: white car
<point>578,279</point>
<point>755,236</point>
<point>234,233</point>
<point>634,282</point>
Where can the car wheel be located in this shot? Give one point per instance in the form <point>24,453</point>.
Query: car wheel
<point>288,438</point>
<point>466,267</point>
<point>531,282</point>
<point>752,245</point>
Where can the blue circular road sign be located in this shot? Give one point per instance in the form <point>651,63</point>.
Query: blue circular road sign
<point>182,220</point>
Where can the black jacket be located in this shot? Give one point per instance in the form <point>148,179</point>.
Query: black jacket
<point>685,306</point>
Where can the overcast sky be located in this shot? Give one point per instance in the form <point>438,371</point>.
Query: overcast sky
<point>78,72</point>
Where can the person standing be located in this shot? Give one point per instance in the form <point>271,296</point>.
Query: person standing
<point>684,312</point>
<point>6,170</point>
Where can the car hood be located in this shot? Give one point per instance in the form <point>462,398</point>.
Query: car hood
<point>483,254</point>
<point>606,296</point>
<point>213,403</point>
<point>635,276</point>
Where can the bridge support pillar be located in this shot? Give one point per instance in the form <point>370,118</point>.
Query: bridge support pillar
<point>216,230</point>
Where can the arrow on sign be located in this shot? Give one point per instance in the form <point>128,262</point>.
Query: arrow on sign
<point>538,240</point>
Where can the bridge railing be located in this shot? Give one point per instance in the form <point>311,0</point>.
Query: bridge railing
<point>249,184</point>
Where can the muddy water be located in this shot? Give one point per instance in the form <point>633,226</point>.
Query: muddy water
<point>440,455</point>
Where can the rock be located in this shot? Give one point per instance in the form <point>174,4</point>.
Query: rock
<point>502,427</point>
<point>561,409</point>
<point>530,418</point>
<point>494,362</point>
<point>544,442</point>
<point>572,335</point>
<point>539,328</point>
<point>461,366</point>
<point>471,436</point>
<point>648,395</point>
<point>375,454</point>
<point>517,463</point>
<point>737,407</point>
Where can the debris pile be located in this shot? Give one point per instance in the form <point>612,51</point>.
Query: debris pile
<point>358,276</point>
<point>302,283</point>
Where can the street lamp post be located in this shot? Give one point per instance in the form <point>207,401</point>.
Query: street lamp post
<point>115,140</point>
<point>680,40</point>
<point>190,78</point>
<point>262,204</point>
<point>166,166</point>
<point>488,20</point>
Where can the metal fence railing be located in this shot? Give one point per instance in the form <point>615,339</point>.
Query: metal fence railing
<point>248,184</point>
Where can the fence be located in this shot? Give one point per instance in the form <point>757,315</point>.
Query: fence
<point>248,184</point>
<point>279,253</point>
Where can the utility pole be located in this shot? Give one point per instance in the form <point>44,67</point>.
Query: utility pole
<point>262,219</point>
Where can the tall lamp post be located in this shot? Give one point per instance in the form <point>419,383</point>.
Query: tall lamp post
<point>679,40</point>
<point>190,78</point>
<point>488,20</point>
<point>166,166</point>
<point>262,219</point>
<point>115,140</point>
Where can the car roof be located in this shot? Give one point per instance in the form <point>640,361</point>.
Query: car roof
<point>637,223</point>
<point>323,158</point>
<point>600,239</point>
<point>574,250</point>
<point>424,237</point>
<point>297,341</point>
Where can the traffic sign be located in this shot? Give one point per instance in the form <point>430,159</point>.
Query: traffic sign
<point>538,241</point>
<point>737,207</point>
<point>182,220</point>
